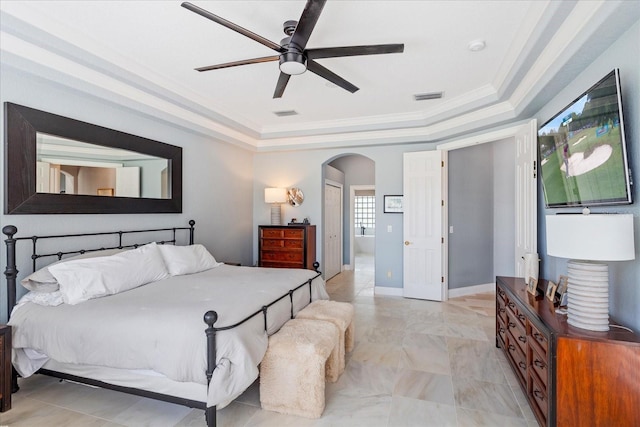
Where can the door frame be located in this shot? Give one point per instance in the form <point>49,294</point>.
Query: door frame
<point>511,131</point>
<point>352,195</point>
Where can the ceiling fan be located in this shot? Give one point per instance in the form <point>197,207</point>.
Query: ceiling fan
<point>293,56</point>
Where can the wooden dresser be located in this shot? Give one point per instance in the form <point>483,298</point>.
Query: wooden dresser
<point>571,376</point>
<point>5,368</point>
<point>287,246</point>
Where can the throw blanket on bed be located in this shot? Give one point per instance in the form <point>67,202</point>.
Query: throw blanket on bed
<point>159,326</point>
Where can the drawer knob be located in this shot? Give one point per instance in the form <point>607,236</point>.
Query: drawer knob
<point>512,325</point>
<point>538,363</point>
<point>537,393</point>
<point>522,365</point>
<point>521,317</point>
<point>521,338</point>
<point>512,347</point>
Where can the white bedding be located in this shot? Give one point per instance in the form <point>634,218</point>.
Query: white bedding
<point>159,326</point>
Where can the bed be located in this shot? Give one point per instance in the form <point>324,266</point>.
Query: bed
<point>149,339</point>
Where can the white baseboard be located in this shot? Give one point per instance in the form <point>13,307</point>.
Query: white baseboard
<point>347,267</point>
<point>470,290</point>
<point>382,290</point>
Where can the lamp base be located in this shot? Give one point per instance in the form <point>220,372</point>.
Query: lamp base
<point>276,214</point>
<point>588,295</point>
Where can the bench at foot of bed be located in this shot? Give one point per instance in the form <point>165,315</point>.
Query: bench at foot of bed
<point>298,359</point>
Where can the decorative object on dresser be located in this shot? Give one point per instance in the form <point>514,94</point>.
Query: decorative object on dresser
<point>295,196</point>
<point>288,246</point>
<point>586,238</point>
<point>571,377</point>
<point>276,197</point>
<point>5,368</point>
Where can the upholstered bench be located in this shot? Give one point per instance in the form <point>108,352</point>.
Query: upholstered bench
<point>340,314</point>
<point>298,358</point>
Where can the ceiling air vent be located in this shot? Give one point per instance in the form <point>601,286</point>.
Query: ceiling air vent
<point>427,96</point>
<point>285,113</point>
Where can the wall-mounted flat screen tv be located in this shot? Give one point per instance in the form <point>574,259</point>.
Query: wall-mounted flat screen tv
<point>583,153</point>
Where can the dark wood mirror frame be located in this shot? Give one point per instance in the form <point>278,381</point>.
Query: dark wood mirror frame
<point>22,124</point>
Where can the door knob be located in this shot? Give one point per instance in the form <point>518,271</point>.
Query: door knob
<point>407,243</point>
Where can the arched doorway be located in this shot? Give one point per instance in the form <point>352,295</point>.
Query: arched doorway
<point>353,177</point>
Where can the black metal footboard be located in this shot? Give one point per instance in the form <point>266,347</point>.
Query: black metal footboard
<point>210,317</point>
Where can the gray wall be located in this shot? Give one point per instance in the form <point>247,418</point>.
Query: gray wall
<point>217,177</point>
<point>471,216</point>
<point>624,277</point>
<point>358,170</point>
<point>504,211</point>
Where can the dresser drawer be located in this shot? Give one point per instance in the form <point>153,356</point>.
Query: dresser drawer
<point>282,233</point>
<point>501,330</point>
<point>538,365</point>
<point>502,310</point>
<point>519,362</point>
<point>502,295</point>
<point>538,338</point>
<point>282,243</point>
<point>518,332</point>
<point>286,256</point>
<point>538,397</point>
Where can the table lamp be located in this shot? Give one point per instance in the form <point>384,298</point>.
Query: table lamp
<point>586,239</point>
<point>276,196</point>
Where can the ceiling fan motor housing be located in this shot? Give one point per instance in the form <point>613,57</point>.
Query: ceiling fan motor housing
<point>293,63</point>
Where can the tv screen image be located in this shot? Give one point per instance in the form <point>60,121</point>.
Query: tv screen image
<point>582,149</point>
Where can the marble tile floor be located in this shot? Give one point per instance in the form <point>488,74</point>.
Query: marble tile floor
<point>416,363</point>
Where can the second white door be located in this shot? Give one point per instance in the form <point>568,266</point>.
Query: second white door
<point>422,225</point>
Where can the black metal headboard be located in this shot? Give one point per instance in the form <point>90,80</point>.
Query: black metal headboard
<point>11,270</point>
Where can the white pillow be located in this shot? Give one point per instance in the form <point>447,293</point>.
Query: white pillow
<point>43,281</point>
<point>84,279</point>
<point>187,259</point>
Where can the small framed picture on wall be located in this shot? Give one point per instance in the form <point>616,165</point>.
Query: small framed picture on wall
<point>393,204</point>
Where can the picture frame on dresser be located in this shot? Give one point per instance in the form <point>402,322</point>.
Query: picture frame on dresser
<point>551,291</point>
<point>532,285</point>
<point>563,283</point>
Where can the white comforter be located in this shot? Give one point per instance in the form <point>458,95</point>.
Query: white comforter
<point>159,326</point>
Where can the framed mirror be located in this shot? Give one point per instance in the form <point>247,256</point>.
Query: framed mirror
<point>58,165</point>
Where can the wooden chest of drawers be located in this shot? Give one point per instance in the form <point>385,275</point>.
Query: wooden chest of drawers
<point>287,246</point>
<point>5,368</point>
<point>570,376</point>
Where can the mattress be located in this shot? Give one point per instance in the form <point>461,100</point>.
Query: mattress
<point>159,327</point>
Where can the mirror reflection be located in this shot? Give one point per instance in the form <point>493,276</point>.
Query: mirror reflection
<point>66,166</point>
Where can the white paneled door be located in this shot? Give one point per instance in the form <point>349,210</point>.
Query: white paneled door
<point>423,225</point>
<point>332,230</point>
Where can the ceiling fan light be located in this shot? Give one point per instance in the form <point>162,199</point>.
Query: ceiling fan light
<point>293,63</point>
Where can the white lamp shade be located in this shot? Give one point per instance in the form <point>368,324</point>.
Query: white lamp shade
<point>595,237</point>
<point>275,195</point>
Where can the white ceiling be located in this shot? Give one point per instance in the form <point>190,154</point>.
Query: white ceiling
<point>142,54</point>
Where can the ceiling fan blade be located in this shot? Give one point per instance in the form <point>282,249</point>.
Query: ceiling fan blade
<point>307,22</point>
<point>282,83</point>
<point>318,69</point>
<point>237,63</point>
<point>332,52</point>
<point>215,18</point>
